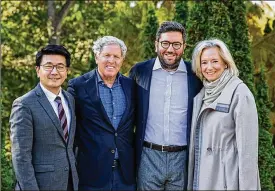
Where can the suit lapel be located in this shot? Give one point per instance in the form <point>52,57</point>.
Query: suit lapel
<point>189,85</point>
<point>127,92</point>
<point>191,95</point>
<point>46,105</point>
<point>146,77</point>
<point>92,90</point>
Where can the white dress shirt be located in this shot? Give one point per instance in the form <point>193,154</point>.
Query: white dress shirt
<point>51,97</point>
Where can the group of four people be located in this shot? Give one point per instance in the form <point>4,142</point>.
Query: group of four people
<point>169,126</point>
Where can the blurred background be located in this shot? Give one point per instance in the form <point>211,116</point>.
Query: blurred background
<point>248,28</point>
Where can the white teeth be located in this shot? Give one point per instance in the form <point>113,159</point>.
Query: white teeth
<point>110,67</point>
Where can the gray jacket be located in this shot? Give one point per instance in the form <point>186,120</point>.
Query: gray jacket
<point>224,139</point>
<point>41,157</point>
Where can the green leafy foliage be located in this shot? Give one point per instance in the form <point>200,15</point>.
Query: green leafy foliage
<point>181,12</point>
<point>266,149</point>
<point>7,174</point>
<point>266,160</point>
<point>263,100</point>
<point>240,45</point>
<point>149,34</point>
<point>218,18</point>
<point>210,23</point>
<point>196,26</point>
<point>124,22</point>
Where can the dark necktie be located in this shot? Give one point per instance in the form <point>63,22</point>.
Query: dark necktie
<point>62,117</point>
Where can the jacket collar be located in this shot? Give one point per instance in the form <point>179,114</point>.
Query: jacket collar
<point>223,102</point>
<point>182,65</point>
<point>93,92</point>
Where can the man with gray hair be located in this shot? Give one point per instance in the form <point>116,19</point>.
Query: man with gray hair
<point>105,102</point>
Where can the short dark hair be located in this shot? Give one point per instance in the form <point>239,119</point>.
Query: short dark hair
<point>53,49</point>
<point>171,26</point>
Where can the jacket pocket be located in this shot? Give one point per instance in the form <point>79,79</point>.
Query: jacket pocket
<point>43,168</point>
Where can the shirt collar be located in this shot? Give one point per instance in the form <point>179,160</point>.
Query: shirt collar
<point>51,96</point>
<point>182,66</point>
<point>99,79</point>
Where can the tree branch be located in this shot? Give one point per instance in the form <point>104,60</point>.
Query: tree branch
<point>51,11</point>
<point>263,39</point>
<point>51,19</point>
<point>62,13</point>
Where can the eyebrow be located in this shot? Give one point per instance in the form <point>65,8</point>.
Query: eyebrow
<point>171,42</point>
<point>60,63</point>
<point>210,59</point>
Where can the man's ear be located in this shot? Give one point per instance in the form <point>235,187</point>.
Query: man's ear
<point>156,46</point>
<point>68,71</point>
<point>37,68</point>
<point>96,57</point>
<point>184,46</point>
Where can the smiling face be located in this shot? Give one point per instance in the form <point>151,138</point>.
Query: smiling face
<point>212,65</point>
<point>53,79</point>
<point>170,55</point>
<point>109,62</point>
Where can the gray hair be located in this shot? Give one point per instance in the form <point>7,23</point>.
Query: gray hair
<point>108,40</point>
<point>223,52</point>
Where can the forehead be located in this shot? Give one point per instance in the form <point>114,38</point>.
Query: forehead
<point>172,36</point>
<point>111,49</point>
<point>212,52</point>
<point>53,58</point>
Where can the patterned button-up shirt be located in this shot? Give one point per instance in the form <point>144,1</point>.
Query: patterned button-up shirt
<point>168,103</point>
<point>113,100</point>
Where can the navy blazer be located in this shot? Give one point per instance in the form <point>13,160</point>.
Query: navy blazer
<point>96,137</point>
<point>142,74</point>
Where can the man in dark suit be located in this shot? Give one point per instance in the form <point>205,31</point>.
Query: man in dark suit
<point>105,116</point>
<point>43,128</point>
<point>165,90</point>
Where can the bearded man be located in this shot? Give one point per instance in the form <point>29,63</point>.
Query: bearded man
<point>166,86</point>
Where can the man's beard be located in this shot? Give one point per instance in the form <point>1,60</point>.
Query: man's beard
<point>167,66</point>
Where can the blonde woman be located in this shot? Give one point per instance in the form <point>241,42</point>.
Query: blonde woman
<point>224,135</point>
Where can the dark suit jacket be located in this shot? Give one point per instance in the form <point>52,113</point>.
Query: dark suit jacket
<point>97,138</point>
<point>41,158</point>
<point>142,74</point>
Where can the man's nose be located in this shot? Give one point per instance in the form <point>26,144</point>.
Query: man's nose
<point>170,48</point>
<point>111,59</point>
<point>54,70</point>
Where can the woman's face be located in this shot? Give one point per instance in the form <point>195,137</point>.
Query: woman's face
<point>212,65</point>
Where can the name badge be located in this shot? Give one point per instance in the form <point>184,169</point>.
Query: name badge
<point>222,107</point>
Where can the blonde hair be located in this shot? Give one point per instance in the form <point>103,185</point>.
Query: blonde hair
<point>223,52</point>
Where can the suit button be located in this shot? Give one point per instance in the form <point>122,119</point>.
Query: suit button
<point>116,134</point>
<point>66,168</point>
<point>113,151</point>
<point>209,149</point>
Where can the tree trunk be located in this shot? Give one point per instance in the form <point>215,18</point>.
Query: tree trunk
<point>55,20</point>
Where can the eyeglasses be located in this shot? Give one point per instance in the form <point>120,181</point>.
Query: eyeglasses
<point>50,67</point>
<point>175,45</point>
